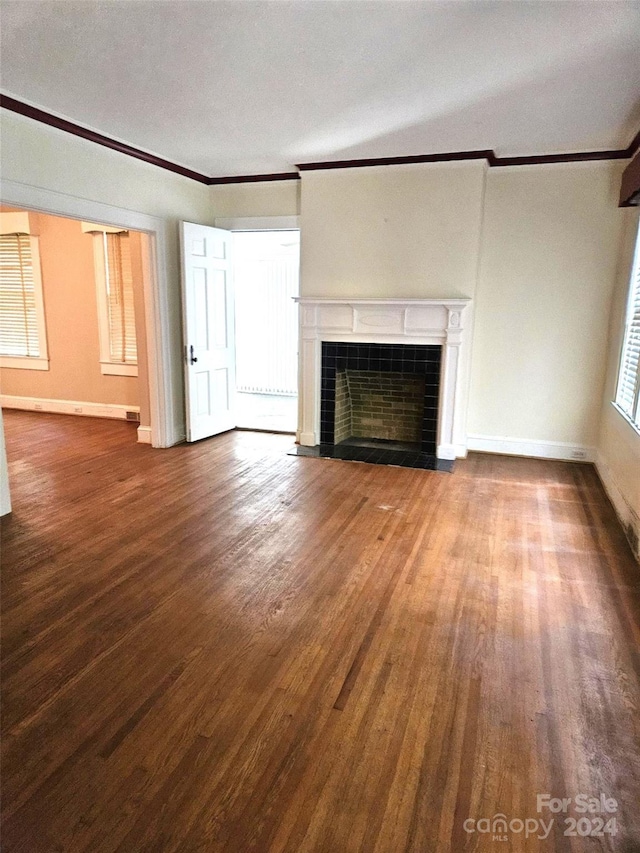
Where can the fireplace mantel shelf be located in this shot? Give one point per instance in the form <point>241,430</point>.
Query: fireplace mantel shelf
<point>396,321</point>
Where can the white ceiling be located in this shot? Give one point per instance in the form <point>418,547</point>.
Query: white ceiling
<point>243,87</point>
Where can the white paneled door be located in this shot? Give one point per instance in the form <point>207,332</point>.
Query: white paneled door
<point>208,312</point>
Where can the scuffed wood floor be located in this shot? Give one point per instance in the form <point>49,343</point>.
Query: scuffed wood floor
<point>220,647</point>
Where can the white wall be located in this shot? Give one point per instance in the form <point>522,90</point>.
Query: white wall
<point>618,458</point>
<point>550,247</point>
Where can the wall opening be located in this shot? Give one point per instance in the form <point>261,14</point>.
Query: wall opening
<point>266,280</point>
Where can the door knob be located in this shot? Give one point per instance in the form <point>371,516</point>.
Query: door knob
<point>192,357</point>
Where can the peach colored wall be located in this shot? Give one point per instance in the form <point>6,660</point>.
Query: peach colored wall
<point>69,290</point>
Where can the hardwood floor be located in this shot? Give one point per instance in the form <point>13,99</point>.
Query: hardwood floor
<point>220,647</point>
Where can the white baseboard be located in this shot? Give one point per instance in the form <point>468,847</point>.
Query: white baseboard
<point>523,447</point>
<point>67,407</point>
<point>626,514</point>
<point>144,435</point>
<point>446,451</point>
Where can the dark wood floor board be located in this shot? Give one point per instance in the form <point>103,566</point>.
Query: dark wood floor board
<point>219,647</point>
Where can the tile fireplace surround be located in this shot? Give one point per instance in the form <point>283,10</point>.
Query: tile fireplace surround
<point>429,322</point>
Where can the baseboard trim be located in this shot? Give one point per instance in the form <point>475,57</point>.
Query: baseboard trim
<point>539,449</point>
<point>67,407</point>
<point>446,451</point>
<point>144,435</point>
<point>627,516</point>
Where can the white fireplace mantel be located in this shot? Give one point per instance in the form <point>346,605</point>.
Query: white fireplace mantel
<point>387,321</point>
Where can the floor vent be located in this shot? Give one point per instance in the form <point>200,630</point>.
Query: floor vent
<point>133,416</point>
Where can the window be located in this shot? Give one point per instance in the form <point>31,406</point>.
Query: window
<point>23,341</point>
<point>628,393</point>
<point>114,287</point>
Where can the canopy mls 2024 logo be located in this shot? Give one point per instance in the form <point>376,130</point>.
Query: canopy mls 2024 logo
<point>582,815</point>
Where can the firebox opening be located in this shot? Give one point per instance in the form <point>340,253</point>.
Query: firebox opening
<point>379,409</point>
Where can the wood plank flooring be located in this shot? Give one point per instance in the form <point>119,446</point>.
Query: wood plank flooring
<point>220,647</point>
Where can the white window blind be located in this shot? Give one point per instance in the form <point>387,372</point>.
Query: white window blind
<point>119,284</point>
<point>19,327</point>
<point>628,393</point>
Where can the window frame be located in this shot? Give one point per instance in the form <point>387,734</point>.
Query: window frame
<point>31,362</point>
<point>632,419</point>
<point>108,367</point>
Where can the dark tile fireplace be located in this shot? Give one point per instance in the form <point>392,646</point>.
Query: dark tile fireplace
<point>379,403</point>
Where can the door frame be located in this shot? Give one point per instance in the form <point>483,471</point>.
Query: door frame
<point>258,223</point>
<point>270,223</point>
<point>163,363</point>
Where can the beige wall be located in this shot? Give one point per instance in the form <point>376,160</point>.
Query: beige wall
<point>407,231</point>
<point>71,316</point>
<point>262,198</point>
<point>618,443</point>
<point>550,246</point>
<point>536,249</point>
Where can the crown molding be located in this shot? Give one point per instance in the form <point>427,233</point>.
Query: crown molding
<point>630,184</point>
<point>71,127</point>
<point>488,154</point>
<point>570,157</point>
<point>484,154</point>
<point>252,179</point>
<point>37,114</point>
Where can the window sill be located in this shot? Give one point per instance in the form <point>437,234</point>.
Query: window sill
<point>626,417</point>
<point>24,362</point>
<point>114,368</point>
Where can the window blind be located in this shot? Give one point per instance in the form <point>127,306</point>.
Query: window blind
<point>119,279</point>
<point>628,393</point>
<point>18,315</point>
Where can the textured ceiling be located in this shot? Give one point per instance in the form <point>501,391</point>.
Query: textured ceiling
<point>229,88</point>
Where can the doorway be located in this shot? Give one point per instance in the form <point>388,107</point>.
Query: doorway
<point>72,336</point>
<point>161,316</point>
<point>266,268</point>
